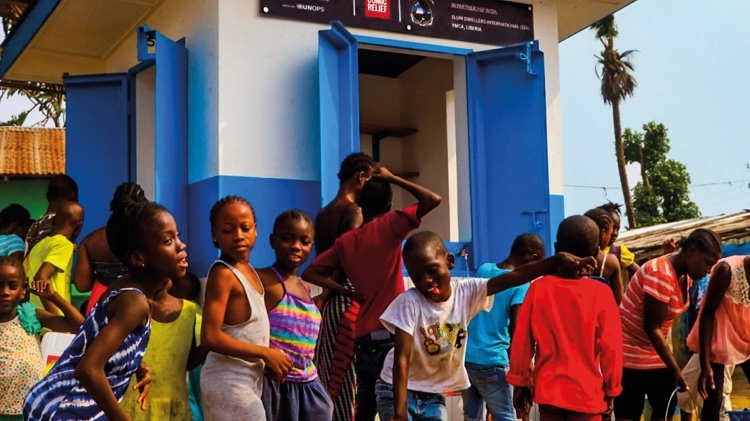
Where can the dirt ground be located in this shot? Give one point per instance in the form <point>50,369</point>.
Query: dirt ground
<point>740,391</point>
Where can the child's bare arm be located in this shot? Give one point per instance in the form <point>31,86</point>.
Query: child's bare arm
<point>717,287</point>
<point>531,271</point>
<point>427,200</point>
<point>213,338</point>
<point>401,355</point>
<point>128,311</point>
<point>45,272</point>
<point>324,266</point>
<point>655,312</point>
<point>609,345</point>
<point>71,319</point>
<point>615,280</point>
<point>83,276</point>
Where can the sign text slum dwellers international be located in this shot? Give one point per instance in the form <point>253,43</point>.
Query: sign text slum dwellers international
<point>490,22</point>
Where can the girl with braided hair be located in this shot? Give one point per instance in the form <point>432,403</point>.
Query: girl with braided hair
<point>608,269</point>
<point>94,372</point>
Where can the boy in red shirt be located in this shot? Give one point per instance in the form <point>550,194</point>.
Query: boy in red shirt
<point>370,257</point>
<point>570,326</point>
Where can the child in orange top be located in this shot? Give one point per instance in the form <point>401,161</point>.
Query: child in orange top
<point>570,325</point>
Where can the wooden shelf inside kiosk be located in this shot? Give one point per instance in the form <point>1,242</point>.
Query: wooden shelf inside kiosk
<point>405,174</point>
<point>380,132</point>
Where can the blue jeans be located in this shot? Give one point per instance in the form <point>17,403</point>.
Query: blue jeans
<point>422,406</point>
<point>488,385</point>
<point>368,362</point>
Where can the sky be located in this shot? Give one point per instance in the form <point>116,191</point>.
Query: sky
<point>691,67</point>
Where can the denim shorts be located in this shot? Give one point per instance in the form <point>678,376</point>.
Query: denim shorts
<point>488,386</point>
<point>422,406</point>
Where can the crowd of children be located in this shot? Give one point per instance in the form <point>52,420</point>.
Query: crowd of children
<point>565,332</point>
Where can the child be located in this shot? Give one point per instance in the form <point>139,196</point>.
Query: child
<point>621,253</point>
<point>14,224</point>
<point>235,323</point>
<point>721,336</point>
<point>608,270</point>
<point>430,321</point>
<point>655,296</point>
<point>570,327</point>
<point>61,189</point>
<point>295,323</point>
<point>370,257</point>
<point>52,258</point>
<point>93,373</point>
<point>20,325</point>
<point>172,351</point>
<point>489,337</point>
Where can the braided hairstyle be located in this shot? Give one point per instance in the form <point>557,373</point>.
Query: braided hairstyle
<point>124,192</point>
<point>704,240</point>
<point>354,163</point>
<point>611,207</point>
<point>221,203</point>
<point>13,262</point>
<point>600,216</point>
<point>128,227</point>
<point>292,215</point>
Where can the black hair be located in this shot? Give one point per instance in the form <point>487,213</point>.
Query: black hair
<point>527,243</point>
<point>577,235</point>
<point>227,201</point>
<point>129,226</point>
<point>14,213</point>
<point>611,207</point>
<point>62,187</point>
<point>125,192</point>
<point>423,240</point>
<point>375,197</point>
<point>354,163</point>
<point>292,215</point>
<point>601,217</point>
<point>13,262</point>
<point>704,240</point>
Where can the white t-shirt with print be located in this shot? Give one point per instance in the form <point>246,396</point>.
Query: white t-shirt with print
<point>439,332</point>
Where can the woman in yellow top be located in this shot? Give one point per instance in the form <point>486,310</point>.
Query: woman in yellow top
<point>626,257</point>
<point>171,352</point>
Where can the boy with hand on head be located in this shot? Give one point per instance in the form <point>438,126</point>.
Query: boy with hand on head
<point>489,337</point>
<point>570,326</point>
<point>370,257</point>
<point>52,258</point>
<point>429,323</point>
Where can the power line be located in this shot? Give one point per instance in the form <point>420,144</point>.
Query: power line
<point>718,183</point>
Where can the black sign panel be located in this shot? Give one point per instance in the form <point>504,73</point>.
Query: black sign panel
<point>478,21</point>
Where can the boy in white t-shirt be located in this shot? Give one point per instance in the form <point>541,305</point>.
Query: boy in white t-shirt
<point>429,323</point>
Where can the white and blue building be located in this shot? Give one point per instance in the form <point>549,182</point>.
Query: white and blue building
<point>198,99</point>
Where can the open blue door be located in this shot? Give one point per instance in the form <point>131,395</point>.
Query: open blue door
<point>339,104</point>
<point>97,151</point>
<point>507,149</point>
<point>170,139</point>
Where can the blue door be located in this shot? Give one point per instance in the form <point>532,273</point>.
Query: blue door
<point>507,149</point>
<point>97,151</point>
<point>339,104</point>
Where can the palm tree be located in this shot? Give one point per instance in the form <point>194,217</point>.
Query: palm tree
<point>618,83</point>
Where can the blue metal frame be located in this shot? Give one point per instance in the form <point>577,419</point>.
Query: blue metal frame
<point>32,21</point>
<point>413,46</point>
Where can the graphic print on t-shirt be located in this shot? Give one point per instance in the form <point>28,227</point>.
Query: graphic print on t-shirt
<point>443,337</point>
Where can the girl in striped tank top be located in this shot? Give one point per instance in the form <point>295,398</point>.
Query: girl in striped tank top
<point>295,323</point>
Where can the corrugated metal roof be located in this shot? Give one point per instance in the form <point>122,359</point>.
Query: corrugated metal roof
<point>32,152</point>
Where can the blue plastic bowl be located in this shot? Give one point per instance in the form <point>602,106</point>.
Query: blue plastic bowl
<point>739,415</point>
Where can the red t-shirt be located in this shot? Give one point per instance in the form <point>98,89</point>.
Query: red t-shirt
<point>572,328</point>
<point>370,257</point>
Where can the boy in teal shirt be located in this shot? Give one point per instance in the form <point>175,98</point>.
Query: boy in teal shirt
<point>489,337</point>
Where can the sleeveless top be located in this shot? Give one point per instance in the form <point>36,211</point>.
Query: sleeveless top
<point>295,323</point>
<point>21,362</point>
<point>166,357</point>
<point>60,396</point>
<point>231,387</point>
<point>107,272</point>
<point>731,337</point>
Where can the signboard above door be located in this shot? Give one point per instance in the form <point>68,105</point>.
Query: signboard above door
<point>490,22</point>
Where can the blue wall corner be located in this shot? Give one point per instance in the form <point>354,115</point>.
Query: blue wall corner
<point>31,22</point>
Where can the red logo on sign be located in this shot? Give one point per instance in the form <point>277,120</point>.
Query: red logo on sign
<point>379,9</point>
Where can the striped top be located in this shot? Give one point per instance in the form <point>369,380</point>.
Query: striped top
<point>658,279</point>
<point>10,244</point>
<point>60,395</point>
<point>295,323</point>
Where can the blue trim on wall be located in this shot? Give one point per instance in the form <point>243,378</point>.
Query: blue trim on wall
<point>19,39</point>
<point>556,215</point>
<point>415,46</point>
<point>269,197</point>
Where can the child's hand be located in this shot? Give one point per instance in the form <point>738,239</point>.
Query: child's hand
<point>705,382</point>
<point>42,288</point>
<point>610,400</point>
<point>277,364</point>
<point>383,174</point>
<point>582,267</point>
<point>143,376</point>
<point>668,246</point>
<point>355,296</point>
<point>522,401</point>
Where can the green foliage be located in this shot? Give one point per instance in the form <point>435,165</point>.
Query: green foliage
<point>662,195</point>
<point>16,120</point>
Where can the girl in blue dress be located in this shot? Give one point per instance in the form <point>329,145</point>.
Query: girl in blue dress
<point>92,375</point>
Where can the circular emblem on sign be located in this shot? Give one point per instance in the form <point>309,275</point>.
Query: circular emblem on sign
<point>421,13</point>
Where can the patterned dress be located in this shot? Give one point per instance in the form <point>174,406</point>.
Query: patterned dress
<point>61,396</point>
<point>21,362</point>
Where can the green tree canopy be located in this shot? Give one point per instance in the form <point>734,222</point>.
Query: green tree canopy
<point>662,195</point>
